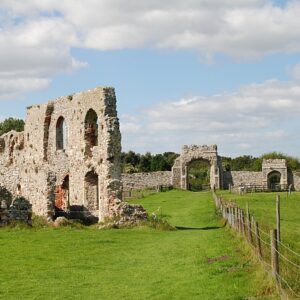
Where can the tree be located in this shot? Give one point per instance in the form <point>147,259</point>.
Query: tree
<point>145,162</point>
<point>158,163</point>
<point>170,158</point>
<point>11,124</point>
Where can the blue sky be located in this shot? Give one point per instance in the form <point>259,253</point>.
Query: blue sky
<point>223,72</point>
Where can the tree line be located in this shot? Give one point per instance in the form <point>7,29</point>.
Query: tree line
<point>132,162</point>
<point>11,124</point>
<point>250,163</point>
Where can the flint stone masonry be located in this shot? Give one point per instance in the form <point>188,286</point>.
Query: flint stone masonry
<point>68,155</point>
<point>241,178</point>
<point>191,153</point>
<point>294,179</point>
<point>275,165</point>
<point>269,166</point>
<point>139,181</point>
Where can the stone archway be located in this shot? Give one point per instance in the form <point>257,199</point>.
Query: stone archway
<point>274,178</point>
<point>195,152</point>
<point>274,170</point>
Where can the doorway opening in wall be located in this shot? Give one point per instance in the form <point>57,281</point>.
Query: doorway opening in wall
<point>274,181</point>
<point>91,190</point>
<point>198,176</point>
<point>62,195</point>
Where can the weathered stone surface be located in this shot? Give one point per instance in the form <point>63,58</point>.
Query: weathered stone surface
<point>191,153</point>
<point>241,178</point>
<point>275,165</point>
<point>139,181</point>
<point>68,154</point>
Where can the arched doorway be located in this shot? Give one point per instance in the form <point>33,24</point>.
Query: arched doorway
<point>190,153</point>
<point>62,195</point>
<point>90,131</point>
<point>198,175</point>
<point>91,190</point>
<point>274,179</point>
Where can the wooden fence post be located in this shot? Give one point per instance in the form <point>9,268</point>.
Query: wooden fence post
<point>278,217</point>
<point>274,253</point>
<point>249,225</point>
<point>243,222</point>
<point>230,216</point>
<point>258,243</point>
<point>234,216</point>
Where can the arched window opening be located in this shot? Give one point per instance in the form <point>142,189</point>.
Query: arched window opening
<point>274,179</point>
<point>61,134</point>
<point>198,177</point>
<point>90,131</point>
<point>91,190</point>
<point>62,195</point>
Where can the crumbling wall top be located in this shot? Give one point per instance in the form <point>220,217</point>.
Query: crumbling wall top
<point>274,163</point>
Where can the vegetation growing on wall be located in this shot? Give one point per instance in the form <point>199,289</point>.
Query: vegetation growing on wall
<point>11,124</point>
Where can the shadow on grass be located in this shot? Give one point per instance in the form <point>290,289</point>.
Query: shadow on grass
<point>199,228</point>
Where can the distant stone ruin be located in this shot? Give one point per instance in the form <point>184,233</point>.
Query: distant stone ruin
<point>68,157</point>
<point>191,153</point>
<point>275,174</point>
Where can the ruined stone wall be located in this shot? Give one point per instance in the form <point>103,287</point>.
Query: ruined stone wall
<point>33,163</point>
<point>146,180</point>
<point>240,178</point>
<point>294,179</point>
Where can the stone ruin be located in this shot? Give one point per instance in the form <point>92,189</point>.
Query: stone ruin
<point>67,159</point>
<point>197,152</point>
<point>275,169</point>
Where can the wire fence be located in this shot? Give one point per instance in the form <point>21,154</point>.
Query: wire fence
<point>278,258</point>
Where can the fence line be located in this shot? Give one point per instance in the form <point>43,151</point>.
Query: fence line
<point>244,223</point>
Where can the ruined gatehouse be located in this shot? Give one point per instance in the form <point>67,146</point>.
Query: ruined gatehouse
<point>68,155</point>
<point>190,153</point>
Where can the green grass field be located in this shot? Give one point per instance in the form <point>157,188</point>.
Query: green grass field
<point>263,207</point>
<point>202,260</point>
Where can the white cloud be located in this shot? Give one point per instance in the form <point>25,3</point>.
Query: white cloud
<point>12,87</point>
<point>295,72</point>
<point>254,119</point>
<point>36,37</point>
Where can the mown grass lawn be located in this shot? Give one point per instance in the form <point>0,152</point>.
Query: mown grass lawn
<point>200,261</point>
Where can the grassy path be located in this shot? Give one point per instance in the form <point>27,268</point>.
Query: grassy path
<point>141,263</point>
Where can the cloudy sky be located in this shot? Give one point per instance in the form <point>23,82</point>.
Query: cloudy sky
<point>223,72</point>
